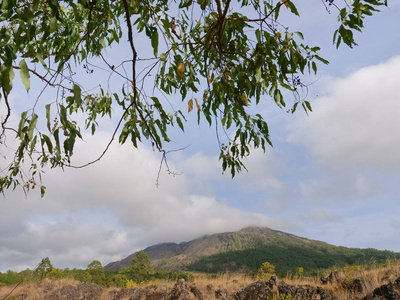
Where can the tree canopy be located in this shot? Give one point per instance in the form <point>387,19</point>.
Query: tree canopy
<point>219,58</point>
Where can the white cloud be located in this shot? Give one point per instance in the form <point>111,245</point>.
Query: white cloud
<point>356,125</point>
<point>113,208</point>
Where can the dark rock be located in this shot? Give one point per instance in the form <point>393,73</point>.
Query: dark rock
<point>151,292</point>
<point>274,288</point>
<point>390,291</point>
<point>120,294</point>
<point>219,294</point>
<point>255,291</point>
<point>83,291</point>
<point>196,292</point>
<point>179,291</point>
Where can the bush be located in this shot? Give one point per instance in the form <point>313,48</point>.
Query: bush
<point>266,271</point>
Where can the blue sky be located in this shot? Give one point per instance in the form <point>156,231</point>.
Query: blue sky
<point>332,176</point>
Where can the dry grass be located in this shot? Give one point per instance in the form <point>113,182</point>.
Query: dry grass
<point>372,277</point>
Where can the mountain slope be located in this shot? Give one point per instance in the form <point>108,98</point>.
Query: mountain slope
<point>247,249</point>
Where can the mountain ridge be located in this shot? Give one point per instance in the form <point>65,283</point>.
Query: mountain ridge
<point>245,250</point>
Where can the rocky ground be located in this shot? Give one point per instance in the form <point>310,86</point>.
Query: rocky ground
<point>356,289</point>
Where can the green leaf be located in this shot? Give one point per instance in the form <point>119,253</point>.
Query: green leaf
<point>48,143</point>
<point>102,43</point>
<point>21,124</point>
<point>322,59</point>
<point>48,116</point>
<point>279,99</point>
<point>292,8</point>
<point>308,105</point>
<point>77,95</point>
<point>43,63</point>
<point>163,57</point>
<point>185,3</point>
<point>299,34</point>
<point>295,107</point>
<point>124,134</point>
<point>7,77</point>
<point>154,42</point>
<point>24,73</point>
<point>33,143</point>
<point>32,126</point>
<point>42,191</point>
<point>63,115</point>
<point>179,121</point>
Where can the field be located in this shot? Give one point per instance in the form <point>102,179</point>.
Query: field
<point>350,282</point>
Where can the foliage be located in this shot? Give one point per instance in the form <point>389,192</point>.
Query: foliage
<point>139,272</point>
<point>56,273</point>
<point>43,269</point>
<point>118,280</point>
<point>300,272</point>
<point>266,271</point>
<point>231,57</point>
<point>10,278</point>
<point>140,268</point>
<point>96,273</point>
<point>287,258</point>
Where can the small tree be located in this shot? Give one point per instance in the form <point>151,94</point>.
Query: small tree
<point>96,272</point>
<point>300,272</point>
<point>44,268</point>
<point>141,267</point>
<point>266,271</point>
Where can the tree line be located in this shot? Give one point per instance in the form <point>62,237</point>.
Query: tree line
<point>139,271</point>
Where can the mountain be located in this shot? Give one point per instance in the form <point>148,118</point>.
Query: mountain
<point>246,249</point>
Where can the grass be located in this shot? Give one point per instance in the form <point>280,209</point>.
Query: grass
<point>342,286</point>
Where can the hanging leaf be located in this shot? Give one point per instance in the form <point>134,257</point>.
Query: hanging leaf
<point>181,69</point>
<point>197,104</point>
<point>24,73</point>
<point>245,98</point>
<point>190,105</point>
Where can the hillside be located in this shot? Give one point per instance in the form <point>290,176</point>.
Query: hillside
<point>247,249</point>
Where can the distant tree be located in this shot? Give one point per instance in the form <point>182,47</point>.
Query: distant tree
<point>10,278</point>
<point>118,280</point>
<point>80,275</point>
<point>266,271</point>
<point>96,273</point>
<point>220,58</point>
<point>140,268</point>
<point>44,268</point>
<point>27,275</point>
<point>56,273</point>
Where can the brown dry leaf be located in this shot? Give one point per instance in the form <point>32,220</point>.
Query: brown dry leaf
<point>197,104</point>
<point>181,69</point>
<point>245,98</point>
<point>286,2</point>
<point>190,105</point>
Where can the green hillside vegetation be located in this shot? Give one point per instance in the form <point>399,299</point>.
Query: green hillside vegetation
<point>246,250</point>
<point>289,259</point>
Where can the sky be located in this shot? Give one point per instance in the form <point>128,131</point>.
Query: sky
<point>332,175</point>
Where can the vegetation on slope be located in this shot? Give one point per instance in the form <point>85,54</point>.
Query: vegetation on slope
<point>245,250</point>
<point>288,259</point>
